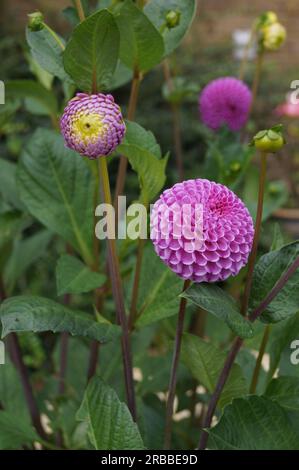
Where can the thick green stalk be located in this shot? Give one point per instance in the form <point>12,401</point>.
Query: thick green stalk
<point>122,168</point>
<point>258,222</point>
<point>117,290</point>
<point>258,364</point>
<point>174,369</point>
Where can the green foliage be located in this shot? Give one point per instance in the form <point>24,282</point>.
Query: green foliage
<point>158,295</point>
<point>218,302</point>
<point>46,48</point>
<point>144,154</point>
<point>282,335</point>
<point>8,186</point>
<point>26,313</point>
<point>157,10</point>
<point>57,188</point>
<point>110,425</point>
<point>141,44</point>
<point>28,89</point>
<point>254,423</point>
<point>285,391</point>
<point>74,277</point>
<point>267,272</point>
<point>14,434</point>
<point>91,55</point>
<point>25,252</point>
<point>205,363</point>
<point>48,195</point>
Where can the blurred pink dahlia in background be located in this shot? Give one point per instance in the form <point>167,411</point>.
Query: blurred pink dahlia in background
<point>288,109</point>
<point>227,101</point>
<point>92,125</point>
<point>221,246</point>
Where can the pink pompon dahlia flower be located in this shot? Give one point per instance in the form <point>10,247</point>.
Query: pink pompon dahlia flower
<point>92,125</point>
<point>225,101</point>
<point>201,230</point>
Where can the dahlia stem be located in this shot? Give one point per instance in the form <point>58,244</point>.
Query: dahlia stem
<point>17,359</point>
<point>256,313</point>
<point>80,10</point>
<point>116,282</point>
<point>95,345</point>
<point>135,289</point>
<point>256,78</point>
<point>174,369</point>
<point>258,364</point>
<point>176,117</point>
<point>218,390</point>
<point>258,222</point>
<point>244,61</point>
<point>122,168</point>
<point>236,347</point>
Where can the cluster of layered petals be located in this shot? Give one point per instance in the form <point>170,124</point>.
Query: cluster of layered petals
<point>225,101</point>
<point>201,230</point>
<point>92,125</point>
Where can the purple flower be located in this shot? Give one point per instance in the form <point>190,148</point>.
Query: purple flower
<point>201,230</point>
<point>92,125</point>
<point>225,101</point>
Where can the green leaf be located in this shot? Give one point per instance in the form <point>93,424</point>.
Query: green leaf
<point>277,241</point>
<point>8,184</point>
<point>25,89</point>
<point>144,155</point>
<point>57,188</point>
<point>46,48</point>
<point>267,272</point>
<point>122,75</point>
<point>158,294</point>
<point>9,225</point>
<point>91,54</point>
<point>11,391</point>
<point>15,433</point>
<point>27,313</point>
<point>110,425</point>
<point>7,111</point>
<point>282,335</point>
<point>253,423</point>
<point>141,44</point>
<point>205,363</point>
<point>218,302</point>
<point>74,277</point>
<point>285,391</point>
<point>25,253</point>
<point>157,10</point>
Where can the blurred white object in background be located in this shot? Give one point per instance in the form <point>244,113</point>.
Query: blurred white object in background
<point>241,39</point>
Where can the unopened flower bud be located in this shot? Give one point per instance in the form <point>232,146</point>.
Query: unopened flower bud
<point>269,140</point>
<point>235,167</point>
<point>173,18</point>
<point>36,21</point>
<point>267,18</point>
<point>273,36</point>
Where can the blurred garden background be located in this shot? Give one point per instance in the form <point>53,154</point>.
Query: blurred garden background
<point>207,52</point>
<point>167,106</point>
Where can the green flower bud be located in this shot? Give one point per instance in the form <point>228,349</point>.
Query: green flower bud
<point>267,18</point>
<point>235,167</point>
<point>172,19</point>
<point>273,36</point>
<point>36,21</point>
<point>269,140</point>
